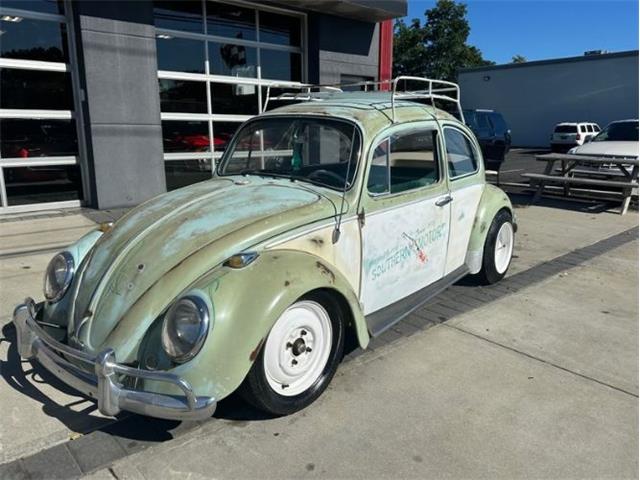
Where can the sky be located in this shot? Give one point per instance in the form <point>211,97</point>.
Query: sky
<point>543,29</point>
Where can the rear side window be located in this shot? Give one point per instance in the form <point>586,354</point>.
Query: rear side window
<point>405,161</point>
<point>498,122</point>
<point>566,129</point>
<point>583,128</point>
<point>483,121</point>
<point>589,128</point>
<point>461,158</point>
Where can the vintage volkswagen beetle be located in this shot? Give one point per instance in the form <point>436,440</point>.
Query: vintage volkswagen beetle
<point>326,220</point>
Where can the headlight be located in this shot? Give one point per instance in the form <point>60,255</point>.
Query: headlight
<point>185,328</point>
<point>58,276</point>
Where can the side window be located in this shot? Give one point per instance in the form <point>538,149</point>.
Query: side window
<point>461,159</point>
<point>483,121</point>
<point>405,161</point>
<point>596,128</point>
<point>379,171</point>
<point>583,128</point>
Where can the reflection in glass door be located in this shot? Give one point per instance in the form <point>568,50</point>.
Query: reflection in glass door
<point>38,132</point>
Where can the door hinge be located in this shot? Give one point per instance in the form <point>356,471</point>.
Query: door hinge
<point>361,218</point>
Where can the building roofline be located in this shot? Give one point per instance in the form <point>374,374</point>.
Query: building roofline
<point>535,63</point>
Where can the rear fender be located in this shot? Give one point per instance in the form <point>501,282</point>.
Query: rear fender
<point>492,201</point>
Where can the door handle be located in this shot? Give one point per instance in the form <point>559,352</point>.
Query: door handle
<point>441,202</point>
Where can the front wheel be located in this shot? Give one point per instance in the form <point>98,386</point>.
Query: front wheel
<point>299,357</point>
<point>498,249</point>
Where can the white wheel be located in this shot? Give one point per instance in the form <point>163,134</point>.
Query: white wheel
<point>504,247</point>
<point>297,348</point>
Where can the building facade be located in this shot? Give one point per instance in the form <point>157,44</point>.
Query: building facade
<point>535,96</point>
<point>106,104</point>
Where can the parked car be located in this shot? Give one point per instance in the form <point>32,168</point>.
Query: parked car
<point>618,140</point>
<point>567,135</point>
<point>345,219</point>
<point>493,134</point>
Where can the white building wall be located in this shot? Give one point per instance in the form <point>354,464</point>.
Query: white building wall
<point>534,96</point>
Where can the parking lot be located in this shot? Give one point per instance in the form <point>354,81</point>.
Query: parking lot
<point>536,376</point>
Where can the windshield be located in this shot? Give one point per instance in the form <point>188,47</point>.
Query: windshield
<point>618,132</point>
<point>315,150</point>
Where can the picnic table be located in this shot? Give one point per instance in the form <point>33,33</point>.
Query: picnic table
<point>625,176</point>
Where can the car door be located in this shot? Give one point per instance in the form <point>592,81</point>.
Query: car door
<point>405,210</point>
<point>466,184</point>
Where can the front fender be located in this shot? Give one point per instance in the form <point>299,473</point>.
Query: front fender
<point>246,303</point>
<point>492,201</point>
<point>58,312</point>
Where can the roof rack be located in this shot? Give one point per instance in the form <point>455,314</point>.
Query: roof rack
<point>435,90</point>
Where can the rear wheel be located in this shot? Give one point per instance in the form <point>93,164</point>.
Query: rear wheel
<point>498,248</point>
<point>299,357</point>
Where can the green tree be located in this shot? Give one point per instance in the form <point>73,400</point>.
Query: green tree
<point>518,59</point>
<point>437,49</point>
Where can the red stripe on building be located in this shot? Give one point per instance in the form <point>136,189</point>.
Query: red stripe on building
<point>386,52</point>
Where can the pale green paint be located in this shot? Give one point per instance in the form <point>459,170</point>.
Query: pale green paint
<point>181,239</point>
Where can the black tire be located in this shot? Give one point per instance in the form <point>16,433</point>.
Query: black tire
<point>256,390</point>
<point>489,274</point>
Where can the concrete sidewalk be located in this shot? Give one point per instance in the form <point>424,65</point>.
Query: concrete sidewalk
<point>419,390</point>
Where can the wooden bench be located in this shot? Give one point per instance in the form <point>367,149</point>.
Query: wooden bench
<point>628,180</point>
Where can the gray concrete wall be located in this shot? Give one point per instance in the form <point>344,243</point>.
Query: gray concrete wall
<point>118,70</point>
<point>534,97</point>
<point>341,46</point>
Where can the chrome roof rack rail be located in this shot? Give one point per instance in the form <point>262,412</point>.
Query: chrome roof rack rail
<point>305,93</point>
<point>434,90</point>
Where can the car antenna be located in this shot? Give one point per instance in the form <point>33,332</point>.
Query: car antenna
<point>336,231</point>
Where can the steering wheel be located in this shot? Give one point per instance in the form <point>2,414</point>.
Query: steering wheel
<point>327,173</point>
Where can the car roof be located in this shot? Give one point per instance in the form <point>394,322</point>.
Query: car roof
<point>625,121</point>
<point>574,123</point>
<point>363,107</point>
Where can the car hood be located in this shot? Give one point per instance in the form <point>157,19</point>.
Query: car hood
<point>618,149</point>
<point>158,249</point>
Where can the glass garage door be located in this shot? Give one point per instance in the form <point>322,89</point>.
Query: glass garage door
<point>214,62</point>
<point>38,135</point>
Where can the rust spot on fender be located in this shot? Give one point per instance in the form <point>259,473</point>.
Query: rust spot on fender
<point>326,271</point>
<point>287,283</point>
<point>254,354</point>
<point>483,227</point>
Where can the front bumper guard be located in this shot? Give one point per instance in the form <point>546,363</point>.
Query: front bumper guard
<point>103,386</point>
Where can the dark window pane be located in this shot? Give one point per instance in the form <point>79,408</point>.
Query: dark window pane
<point>277,65</point>
<point>181,15</point>
<point>44,6</point>
<point>35,90</point>
<point>34,40</point>
<point>235,60</point>
<point>181,96</point>
<point>231,21</point>
<point>37,138</point>
<point>460,153</point>
<point>280,29</point>
<point>179,54</point>
<point>181,173</point>
<point>222,134</point>
<point>185,136</point>
<point>55,183</point>
<point>234,99</point>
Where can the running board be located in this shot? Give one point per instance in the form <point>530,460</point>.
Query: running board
<point>385,318</point>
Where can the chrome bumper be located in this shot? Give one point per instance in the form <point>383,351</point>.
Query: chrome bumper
<point>103,386</point>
